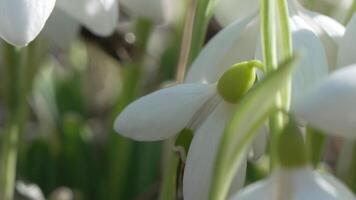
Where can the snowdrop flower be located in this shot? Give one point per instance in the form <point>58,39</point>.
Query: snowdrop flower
<point>201,107</point>
<point>327,30</point>
<point>160,11</point>
<point>295,180</point>
<point>337,9</point>
<point>329,104</point>
<point>99,16</point>
<point>22,20</point>
<point>314,34</point>
<point>296,184</point>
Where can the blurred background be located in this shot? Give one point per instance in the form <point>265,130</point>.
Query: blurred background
<point>75,84</point>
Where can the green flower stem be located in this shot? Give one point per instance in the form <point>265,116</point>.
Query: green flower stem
<point>168,189</point>
<point>202,17</point>
<point>16,104</point>
<point>268,31</point>
<point>286,46</point>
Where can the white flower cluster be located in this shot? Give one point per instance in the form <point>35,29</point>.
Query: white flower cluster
<point>22,20</point>
<point>323,96</point>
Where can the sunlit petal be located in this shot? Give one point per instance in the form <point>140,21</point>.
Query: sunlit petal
<point>164,113</point>
<point>296,184</point>
<point>22,20</point>
<point>330,105</point>
<point>329,31</point>
<point>203,149</point>
<point>235,43</point>
<point>313,66</point>
<point>100,17</point>
<point>68,26</point>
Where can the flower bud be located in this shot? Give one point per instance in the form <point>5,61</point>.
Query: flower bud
<point>237,80</point>
<point>291,147</point>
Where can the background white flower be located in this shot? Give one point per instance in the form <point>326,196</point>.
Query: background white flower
<point>296,184</point>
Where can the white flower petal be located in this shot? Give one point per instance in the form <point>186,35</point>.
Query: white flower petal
<point>228,11</point>
<point>313,66</point>
<point>200,160</point>
<point>296,184</point>
<point>163,113</point>
<point>342,191</point>
<point>330,105</point>
<point>107,3</point>
<point>155,10</point>
<point>347,49</point>
<point>100,17</point>
<point>329,31</point>
<point>235,43</point>
<point>68,26</point>
<point>22,20</point>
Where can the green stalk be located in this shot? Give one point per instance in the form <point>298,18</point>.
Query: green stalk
<point>15,111</point>
<point>202,17</point>
<point>286,46</point>
<point>268,31</point>
<point>169,183</point>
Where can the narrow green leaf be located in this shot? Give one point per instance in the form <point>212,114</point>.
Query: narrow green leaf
<point>239,132</point>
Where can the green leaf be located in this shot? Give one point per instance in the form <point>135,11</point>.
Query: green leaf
<point>239,132</point>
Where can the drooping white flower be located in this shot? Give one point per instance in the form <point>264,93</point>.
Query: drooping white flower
<point>99,16</point>
<point>296,184</point>
<point>156,10</point>
<point>317,36</point>
<point>22,20</point>
<point>294,179</point>
<point>329,104</point>
<point>202,107</point>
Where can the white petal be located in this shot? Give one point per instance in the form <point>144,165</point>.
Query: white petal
<point>342,190</point>
<point>296,184</point>
<point>313,66</point>
<point>100,17</point>
<point>200,160</point>
<point>235,43</point>
<point>107,3</point>
<point>330,106</point>
<point>68,26</point>
<point>155,10</point>
<point>164,113</point>
<point>347,49</point>
<point>22,20</point>
<point>228,11</point>
<point>329,31</point>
